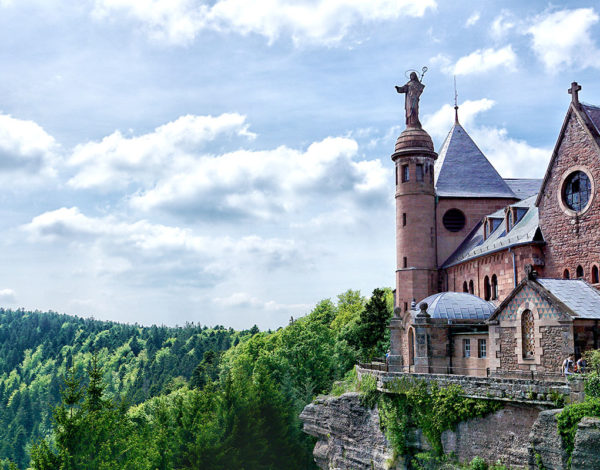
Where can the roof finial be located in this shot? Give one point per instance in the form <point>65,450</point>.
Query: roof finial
<point>455,102</point>
<point>574,92</point>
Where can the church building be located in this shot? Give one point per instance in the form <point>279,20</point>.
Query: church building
<point>495,276</point>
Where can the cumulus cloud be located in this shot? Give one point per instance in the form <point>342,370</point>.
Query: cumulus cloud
<point>265,184</point>
<point>25,146</point>
<point>320,21</point>
<point>484,60</point>
<point>564,39</point>
<point>117,160</point>
<point>142,245</point>
<point>8,296</point>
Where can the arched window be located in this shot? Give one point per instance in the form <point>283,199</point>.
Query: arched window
<point>494,287</point>
<point>471,290</point>
<point>528,333</point>
<point>566,274</point>
<point>579,272</point>
<point>595,279</point>
<point>487,289</point>
<point>465,287</point>
<point>411,347</point>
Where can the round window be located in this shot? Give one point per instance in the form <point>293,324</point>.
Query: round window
<point>454,220</point>
<point>577,191</point>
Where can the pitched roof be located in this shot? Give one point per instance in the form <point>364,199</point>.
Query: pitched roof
<point>462,170</point>
<point>593,113</point>
<point>457,306</point>
<point>524,187</point>
<point>524,231</point>
<point>575,297</point>
<point>581,298</point>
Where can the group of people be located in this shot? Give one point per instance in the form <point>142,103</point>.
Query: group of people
<point>571,366</point>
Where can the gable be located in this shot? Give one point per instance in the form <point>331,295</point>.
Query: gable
<point>527,297</point>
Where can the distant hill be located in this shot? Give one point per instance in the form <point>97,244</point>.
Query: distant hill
<point>36,348</point>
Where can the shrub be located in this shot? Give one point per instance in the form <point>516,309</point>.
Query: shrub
<point>478,464</point>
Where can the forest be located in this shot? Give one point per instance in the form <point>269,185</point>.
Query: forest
<point>87,394</point>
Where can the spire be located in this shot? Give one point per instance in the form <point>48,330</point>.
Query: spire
<point>455,102</point>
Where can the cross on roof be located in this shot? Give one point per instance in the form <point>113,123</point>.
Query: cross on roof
<point>574,92</point>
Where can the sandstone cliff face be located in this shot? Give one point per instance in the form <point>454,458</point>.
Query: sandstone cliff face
<point>349,434</point>
<point>349,437</point>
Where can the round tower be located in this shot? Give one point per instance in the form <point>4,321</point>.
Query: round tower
<point>416,263</point>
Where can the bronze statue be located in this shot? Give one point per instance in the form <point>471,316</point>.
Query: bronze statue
<point>413,90</point>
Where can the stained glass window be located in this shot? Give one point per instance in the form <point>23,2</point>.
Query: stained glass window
<point>528,333</point>
<point>577,191</point>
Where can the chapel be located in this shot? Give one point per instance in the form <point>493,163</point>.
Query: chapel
<point>495,276</point>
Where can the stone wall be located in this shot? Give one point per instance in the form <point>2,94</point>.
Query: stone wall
<point>534,392</point>
<point>554,355</point>
<point>507,346</point>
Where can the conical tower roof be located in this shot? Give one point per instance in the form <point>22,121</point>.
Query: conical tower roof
<point>462,170</point>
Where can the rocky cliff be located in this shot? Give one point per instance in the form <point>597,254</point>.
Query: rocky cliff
<point>349,437</point>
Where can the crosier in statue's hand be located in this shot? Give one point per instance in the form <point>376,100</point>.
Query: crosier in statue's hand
<point>413,90</point>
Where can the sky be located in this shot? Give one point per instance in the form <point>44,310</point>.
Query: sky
<point>228,161</point>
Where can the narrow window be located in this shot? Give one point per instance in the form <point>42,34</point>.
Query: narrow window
<point>465,287</point>
<point>527,334</point>
<point>594,274</point>
<point>487,289</point>
<point>579,272</point>
<point>431,173</point>
<point>404,219</point>
<point>471,290</point>
<point>405,262</point>
<point>466,348</point>
<point>509,220</point>
<point>419,172</point>
<point>494,287</point>
<point>566,274</point>
<point>396,173</point>
<point>405,306</point>
<point>405,174</point>
<point>482,349</point>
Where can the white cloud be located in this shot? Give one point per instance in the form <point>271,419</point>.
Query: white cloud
<point>267,184</point>
<point>512,158</point>
<point>8,296</point>
<point>473,19</point>
<point>150,248</point>
<point>316,21</point>
<point>564,39</point>
<point>244,300</point>
<point>25,146</point>
<point>484,60</point>
<point>502,24</point>
<point>117,161</point>
<point>439,123</point>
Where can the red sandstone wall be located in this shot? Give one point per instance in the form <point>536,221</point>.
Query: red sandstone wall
<point>474,209</point>
<point>500,264</point>
<point>571,240</point>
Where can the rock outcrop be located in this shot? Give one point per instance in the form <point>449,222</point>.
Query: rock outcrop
<point>545,444</point>
<point>349,436</point>
<point>586,454</point>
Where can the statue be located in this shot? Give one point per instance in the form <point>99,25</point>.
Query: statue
<point>413,90</point>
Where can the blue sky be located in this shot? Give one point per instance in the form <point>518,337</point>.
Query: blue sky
<point>228,161</point>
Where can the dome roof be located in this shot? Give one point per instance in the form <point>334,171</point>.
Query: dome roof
<point>413,140</point>
<point>457,306</point>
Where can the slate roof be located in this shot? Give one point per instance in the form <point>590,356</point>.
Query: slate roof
<point>581,298</point>
<point>524,231</point>
<point>524,187</point>
<point>457,306</point>
<point>593,113</point>
<point>462,170</point>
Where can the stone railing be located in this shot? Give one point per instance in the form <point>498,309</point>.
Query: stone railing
<point>515,390</point>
